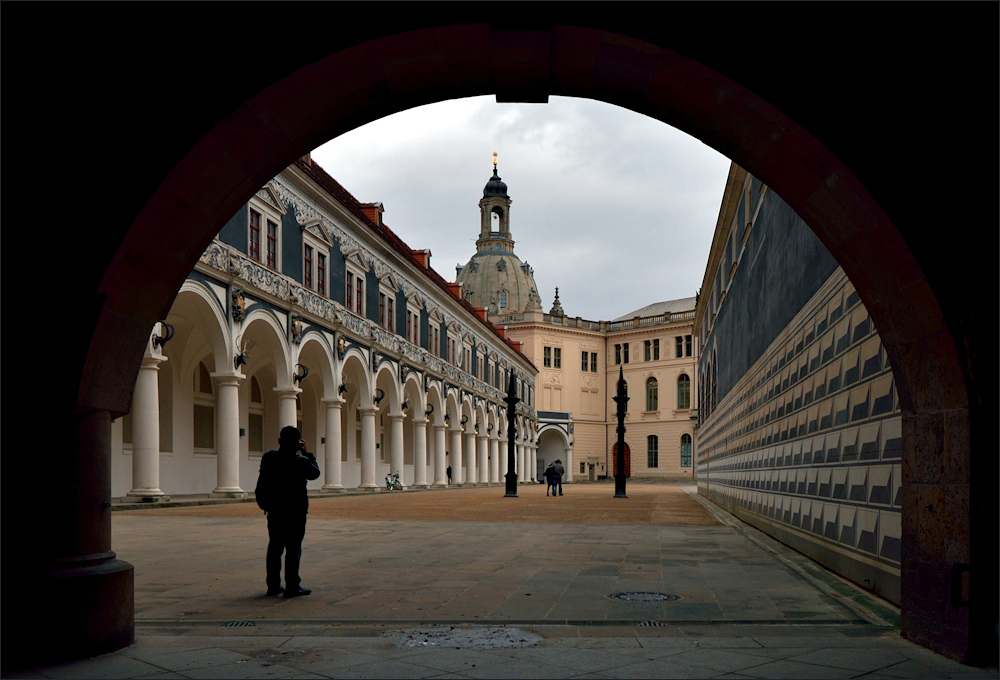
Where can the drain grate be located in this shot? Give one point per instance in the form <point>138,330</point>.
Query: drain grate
<point>646,624</point>
<point>643,598</point>
<point>238,624</point>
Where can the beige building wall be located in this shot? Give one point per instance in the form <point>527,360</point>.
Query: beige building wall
<point>666,419</point>
<point>588,394</point>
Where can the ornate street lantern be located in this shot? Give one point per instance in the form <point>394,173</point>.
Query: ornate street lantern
<point>622,401</point>
<point>511,476</point>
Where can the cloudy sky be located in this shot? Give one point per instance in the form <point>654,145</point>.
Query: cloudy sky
<point>614,208</point>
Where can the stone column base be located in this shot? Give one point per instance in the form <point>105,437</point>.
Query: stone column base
<point>229,494</point>
<point>371,488</point>
<point>421,486</point>
<point>439,486</point>
<point>144,498</point>
<point>333,489</point>
<point>82,607</point>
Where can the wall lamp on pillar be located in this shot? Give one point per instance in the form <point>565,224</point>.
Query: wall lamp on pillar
<point>447,417</point>
<point>430,409</point>
<point>161,340</point>
<point>299,377</point>
<point>379,394</point>
<point>404,406</point>
<point>241,358</point>
<point>342,388</point>
<point>477,426</point>
<point>489,428</point>
<point>465,419</point>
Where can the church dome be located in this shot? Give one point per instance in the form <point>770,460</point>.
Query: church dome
<point>495,187</point>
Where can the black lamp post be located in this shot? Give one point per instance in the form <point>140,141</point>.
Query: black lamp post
<point>622,401</point>
<point>511,476</point>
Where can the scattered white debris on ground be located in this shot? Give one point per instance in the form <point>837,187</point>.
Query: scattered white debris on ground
<point>465,636</point>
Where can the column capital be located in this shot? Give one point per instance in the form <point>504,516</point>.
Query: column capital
<point>396,417</point>
<point>482,435</point>
<point>287,392</point>
<point>228,378</point>
<point>420,421</point>
<point>333,402</point>
<point>368,410</point>
<point>441,428</point>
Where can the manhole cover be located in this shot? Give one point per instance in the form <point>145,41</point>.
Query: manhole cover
<point>646,624</point>
<point>238,624</point>
<point>643,598</point>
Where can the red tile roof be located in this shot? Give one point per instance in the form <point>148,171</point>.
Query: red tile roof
<point>335,189</point>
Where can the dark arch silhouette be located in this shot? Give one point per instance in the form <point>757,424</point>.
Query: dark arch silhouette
<point>152,187</point>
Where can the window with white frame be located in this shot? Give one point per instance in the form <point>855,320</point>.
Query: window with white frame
<point>387,304</point>
<point>263,233</point>
<point>685,450</point>
<point>354,287</point>
<point>314,263</point>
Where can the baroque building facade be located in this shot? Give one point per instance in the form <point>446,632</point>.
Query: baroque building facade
<point>799,430</point>
<point>308,310</point>
<point>579,362</point>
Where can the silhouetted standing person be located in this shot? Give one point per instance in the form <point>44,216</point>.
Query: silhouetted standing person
<point>557,474</point>
<point>548,477</point>
<point>449,474</point>
<point>281,493</point>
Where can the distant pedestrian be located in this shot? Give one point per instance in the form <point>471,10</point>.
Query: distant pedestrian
<point>557,474</point>
<point>548,474</point>
<point>449,474</point>
<point>281,494</point>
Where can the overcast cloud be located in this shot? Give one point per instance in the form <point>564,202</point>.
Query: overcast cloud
<point>614,208</point>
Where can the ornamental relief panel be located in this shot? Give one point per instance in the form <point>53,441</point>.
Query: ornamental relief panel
<point>552,378</point>
<point>589,381</point>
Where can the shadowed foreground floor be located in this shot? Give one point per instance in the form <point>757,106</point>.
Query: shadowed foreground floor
<point>540,568</point>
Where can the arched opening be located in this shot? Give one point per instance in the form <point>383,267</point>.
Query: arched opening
<point>930,336</point>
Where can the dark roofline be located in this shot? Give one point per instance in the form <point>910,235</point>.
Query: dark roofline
<point>335,189</point>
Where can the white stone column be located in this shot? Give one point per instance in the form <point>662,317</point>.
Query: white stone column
<point>520,464</point>
<point>227,435</point>
<point>533,466</point>
<point>440,464</point>
<point>494,459</point>
<point>368,449</point>
<point>396,445</point>
<point>419,453</point>
<point>457,473</point>
<point>287,407</point>
<point>484,458</point>
<point>146,432</point>
<point>332,449</point>
<point>472,474</point>
<point>503,456</point>
<point>569,464</point>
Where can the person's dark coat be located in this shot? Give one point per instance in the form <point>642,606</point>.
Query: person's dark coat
<point>558,470</point>
<point>282,481</point>
<point>549,474</point>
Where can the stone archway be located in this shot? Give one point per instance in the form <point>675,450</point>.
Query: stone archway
<point>932,339</point>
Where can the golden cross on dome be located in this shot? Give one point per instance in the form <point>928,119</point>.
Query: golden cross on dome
<point>494,159</point>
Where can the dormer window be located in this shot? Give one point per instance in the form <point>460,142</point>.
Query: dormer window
<point>503,299</point>
<point>307,266</point>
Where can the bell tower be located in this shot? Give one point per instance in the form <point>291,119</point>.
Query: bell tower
<point>494,209</point>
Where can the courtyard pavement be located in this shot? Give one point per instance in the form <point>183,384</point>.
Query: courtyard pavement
<point>463,583</point>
